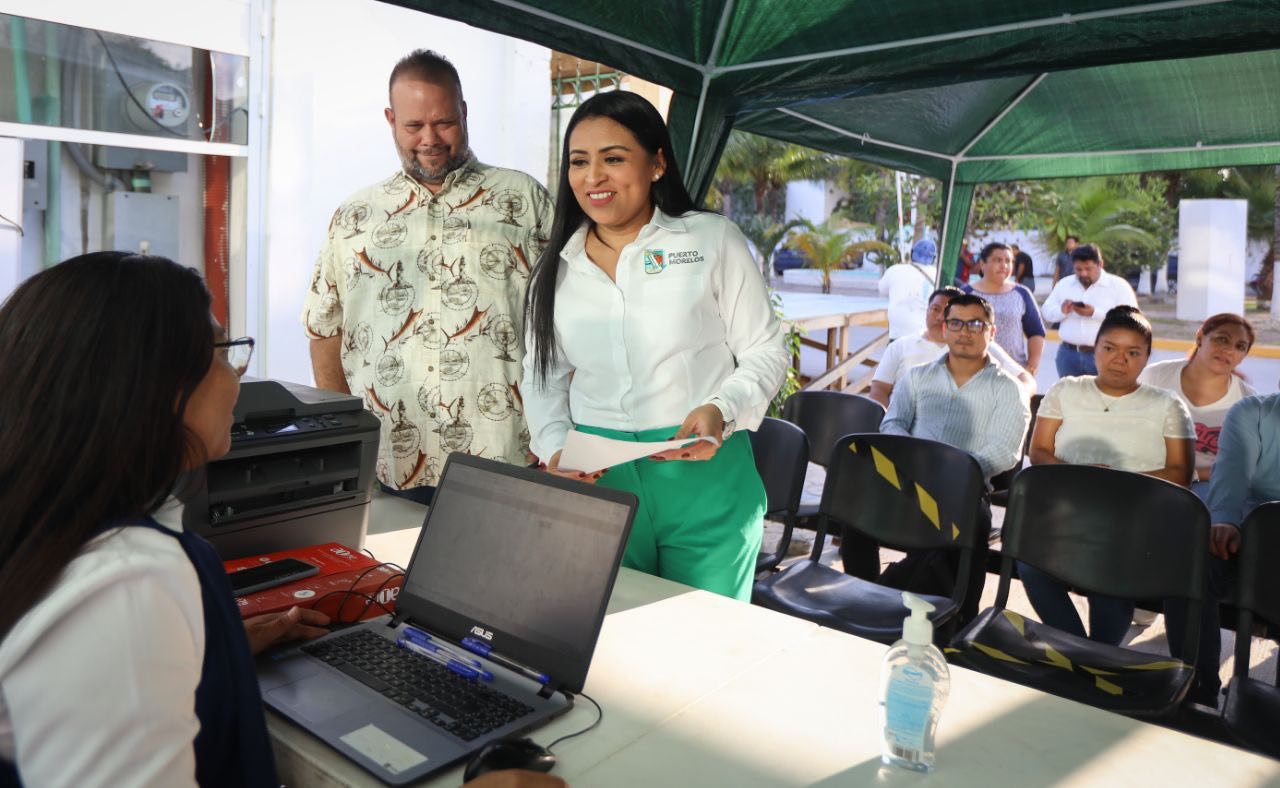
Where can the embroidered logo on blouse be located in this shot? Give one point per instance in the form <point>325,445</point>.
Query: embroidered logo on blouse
<point>655,261</point>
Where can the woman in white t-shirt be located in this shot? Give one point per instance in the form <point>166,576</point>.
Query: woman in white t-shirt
<point>1208,384</point>
<point>1114,421</point>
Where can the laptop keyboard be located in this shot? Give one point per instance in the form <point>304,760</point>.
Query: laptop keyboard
<point>467,708</point>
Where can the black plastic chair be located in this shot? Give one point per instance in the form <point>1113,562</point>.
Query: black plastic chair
<point>1252,708</point>
<point>1103,531</point>
<point>782,455</point>
<point>909,493</point>
<point>827,416</point>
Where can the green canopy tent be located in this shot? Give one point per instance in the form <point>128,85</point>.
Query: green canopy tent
<point>965,92</point>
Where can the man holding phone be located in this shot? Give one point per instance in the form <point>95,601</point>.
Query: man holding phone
<point>1079,302</point>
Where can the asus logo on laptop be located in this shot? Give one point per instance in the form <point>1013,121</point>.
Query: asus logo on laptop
<point>481,632</point>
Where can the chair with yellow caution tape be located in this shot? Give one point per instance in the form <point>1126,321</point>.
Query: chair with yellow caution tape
<point>1251,711</point>
<point>903,492</point>
<point>1101,531</point>
<point>827,416</point>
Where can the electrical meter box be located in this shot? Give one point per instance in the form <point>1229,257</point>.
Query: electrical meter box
<point>141,222</point>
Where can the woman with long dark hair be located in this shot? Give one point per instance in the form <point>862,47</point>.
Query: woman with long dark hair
<point>647,319</point>
<point>123,659</point>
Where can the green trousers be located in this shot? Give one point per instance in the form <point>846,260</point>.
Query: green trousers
<point>699,523</point>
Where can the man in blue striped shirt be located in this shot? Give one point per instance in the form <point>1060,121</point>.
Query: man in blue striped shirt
<point>965,400</point>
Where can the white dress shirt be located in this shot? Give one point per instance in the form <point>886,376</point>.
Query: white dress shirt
<point>98,680</point>
<point>687,322</point>
<point>1109,291</point>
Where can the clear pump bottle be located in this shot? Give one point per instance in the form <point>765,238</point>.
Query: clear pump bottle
<point>914,683</point>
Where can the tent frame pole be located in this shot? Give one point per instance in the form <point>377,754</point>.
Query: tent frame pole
<point>1052,21</point>
<point>1035,83</point>
<point>866,139</point>
<point>605,34</point>
<point>725,14</point>
<point>1129,152</point>
<point>946,226</point>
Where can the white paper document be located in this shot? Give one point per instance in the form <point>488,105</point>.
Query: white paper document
<point>589,453</point>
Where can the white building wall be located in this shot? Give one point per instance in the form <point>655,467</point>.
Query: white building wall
<point>807,200</point>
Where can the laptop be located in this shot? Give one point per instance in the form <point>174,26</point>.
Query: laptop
<point>494,628</point>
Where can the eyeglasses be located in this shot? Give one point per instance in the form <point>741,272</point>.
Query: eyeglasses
<point>974,326</point>
<point>236,352</point>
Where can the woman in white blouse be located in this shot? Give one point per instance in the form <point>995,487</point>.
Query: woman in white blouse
<point>1114,421</point>
<point>1208,384</point>
<point>647,319</point>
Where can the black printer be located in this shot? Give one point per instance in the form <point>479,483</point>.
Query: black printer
<point>300,472</point>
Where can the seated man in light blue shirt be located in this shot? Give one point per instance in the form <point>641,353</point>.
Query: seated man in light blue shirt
<point>1246,474</point>
<point>965,400</point>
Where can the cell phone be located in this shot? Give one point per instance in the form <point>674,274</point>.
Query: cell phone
<point>1078,303</point>
<point>276,573</point>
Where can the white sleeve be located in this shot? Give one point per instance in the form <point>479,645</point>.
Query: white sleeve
<point>546,403</point>
<point>1051,404</point>
<point>752,331</point>
<point>1051,309</point>
<point>886,281</point>
<point>1003,359</point>
<point>890,365</point>
<point>1177,420</point>
<point>106,697</point>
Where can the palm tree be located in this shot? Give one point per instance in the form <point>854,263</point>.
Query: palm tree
<point>767,165</point>
<point>827,246</point>
<point>1093,211</point>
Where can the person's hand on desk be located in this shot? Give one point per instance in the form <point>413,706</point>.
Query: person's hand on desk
<point>702,421</point>
<point>516,778</point>
<point>296,623</point>
<point>578,476</point>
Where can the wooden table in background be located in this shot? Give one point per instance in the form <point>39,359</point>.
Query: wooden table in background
<point>837,313</point>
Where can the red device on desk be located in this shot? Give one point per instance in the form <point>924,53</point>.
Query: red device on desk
<point>343,579</point>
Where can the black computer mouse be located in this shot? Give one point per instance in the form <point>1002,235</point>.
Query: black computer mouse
<point>509,754</point>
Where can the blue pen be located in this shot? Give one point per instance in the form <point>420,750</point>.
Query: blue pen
<point>485,650</point>
<point>464,670</point>
<point>425,640</point>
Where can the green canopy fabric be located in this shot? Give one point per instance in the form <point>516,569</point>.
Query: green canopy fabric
<point>969,93</point>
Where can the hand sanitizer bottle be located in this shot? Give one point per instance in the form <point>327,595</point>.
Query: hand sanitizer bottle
<point>914,682</point>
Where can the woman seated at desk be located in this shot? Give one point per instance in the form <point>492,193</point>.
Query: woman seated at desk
<point>1114,421</point>
<point>123,658</point>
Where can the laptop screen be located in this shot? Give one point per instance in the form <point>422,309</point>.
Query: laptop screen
<point>523,556</point>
